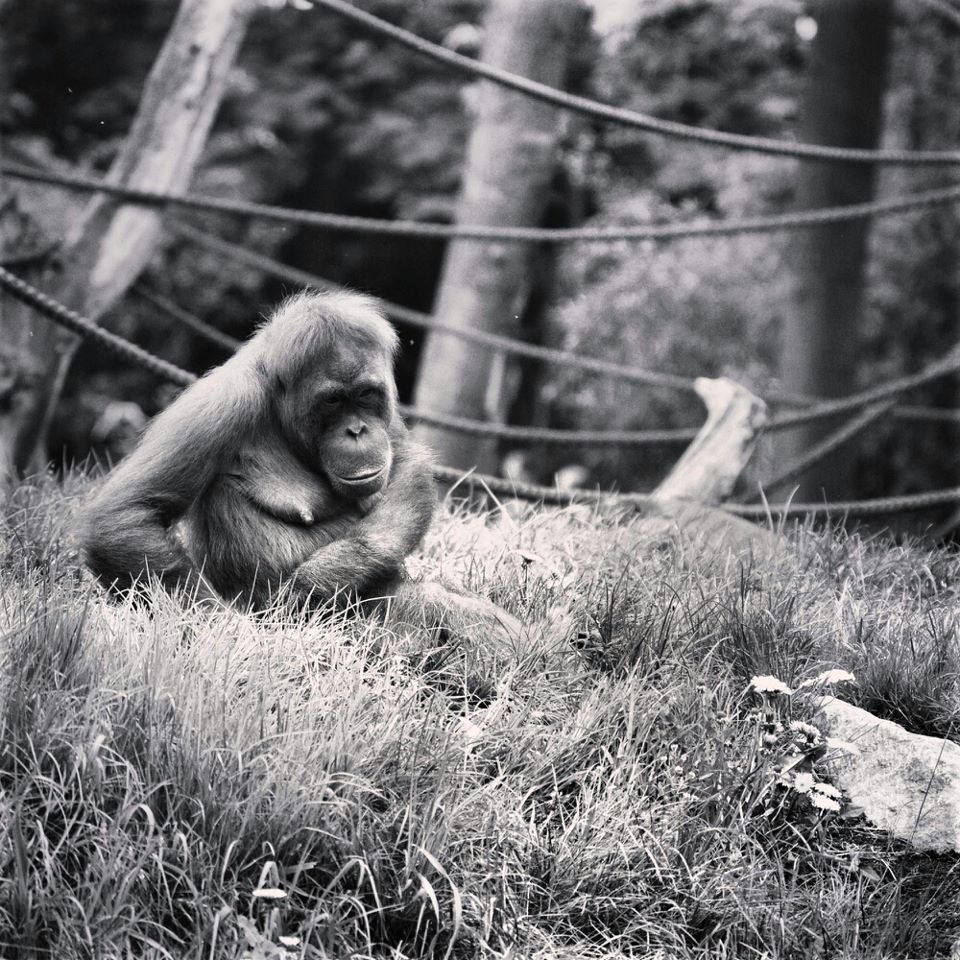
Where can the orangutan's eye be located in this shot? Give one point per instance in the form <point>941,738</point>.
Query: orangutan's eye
<point>329,401</point>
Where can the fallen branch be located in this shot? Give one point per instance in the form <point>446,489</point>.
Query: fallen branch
<point>708,469</point>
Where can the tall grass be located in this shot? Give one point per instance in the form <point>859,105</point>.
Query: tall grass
<point>183,782</point>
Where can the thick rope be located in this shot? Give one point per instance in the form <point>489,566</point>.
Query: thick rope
<point>545,435</point>
<point>927,414</point>
<point>817,410</point>
<point>463,425</point>
<point>798,219</point>
<point>30,256</point>
<point>415,318</point>
<point>564,498</point>
<point>878,506</point>
<point>569,438</point>
<point>75,322</point>
<point>79,324</point>
<point>551,496</point>
<point>632,118</point>
<point>828,408</point>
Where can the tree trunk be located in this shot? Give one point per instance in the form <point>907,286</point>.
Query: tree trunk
<point>510,159</point>
<point>112,243</point>
<point>842,107</point>
<point>922,321</point>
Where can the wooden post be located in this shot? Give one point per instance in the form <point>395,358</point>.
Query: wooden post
<point>717,455</point>
<point>686,502</point>
<point>842,107</point>
<point>112,243</point>
<point>510,160</point>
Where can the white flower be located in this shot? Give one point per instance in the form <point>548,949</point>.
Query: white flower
<point>470,730</point>
<point>807,730</point>
<point>803,782</point>
<point>830,677</point>
<point>828,790</point>
<point>289,941</point>
<point>837,676</point>
<point>824,803</point>
<point>768,684</point>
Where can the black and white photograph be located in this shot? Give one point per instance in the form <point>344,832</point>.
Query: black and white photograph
<point>479,479</point>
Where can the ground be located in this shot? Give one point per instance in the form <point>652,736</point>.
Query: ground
<point>183,782</point>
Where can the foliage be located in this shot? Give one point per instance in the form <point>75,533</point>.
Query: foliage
<point>715,307</point>
<point>321,115</point>
<point>913,301</point>
<point>178,781</point>
<point>317,115</point>
<point>688,308</point>
<point>694,307</point>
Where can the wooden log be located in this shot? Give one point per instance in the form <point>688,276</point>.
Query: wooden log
<point>708,469</point>
<point>686,502</point>
<point>112,242</point>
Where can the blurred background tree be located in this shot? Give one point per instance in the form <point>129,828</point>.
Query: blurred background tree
<point>322,116</point>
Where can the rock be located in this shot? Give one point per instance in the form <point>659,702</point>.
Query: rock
<point>710,530</point>
<point>905,783</point>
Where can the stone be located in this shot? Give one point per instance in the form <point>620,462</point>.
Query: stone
<point>905,783</point>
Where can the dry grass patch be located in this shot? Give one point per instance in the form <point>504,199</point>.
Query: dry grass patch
<point>177,781</point>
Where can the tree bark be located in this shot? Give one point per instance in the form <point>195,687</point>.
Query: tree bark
<point>112,243</point>
<point>842,107</point>
<point>510,159</point>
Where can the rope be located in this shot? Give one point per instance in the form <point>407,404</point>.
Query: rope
<point>632,118</point>
<point>81,325</point>
<point>564,498</point>
<point>73,321</point>
<point>828,445</point>
<point>536,493</point>
<point>85,327</point>
<point>927,414</point>
<point>494,341</point>
<point>878,506</point>
<point>415,318</point>
<point>530,435</point>
<point>828,408</point>
<point>564,438</point>
<point>818,410</point>
<point>414,228</point>
<point>200,327</point>
<point>472,427</point>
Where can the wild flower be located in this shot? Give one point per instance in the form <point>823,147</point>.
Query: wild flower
<point>822,802</point>
<point>803,782</point>
<point>789,749</point>
<point>830,678</point>
<point>769,684</point>
<point>805,732</point>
